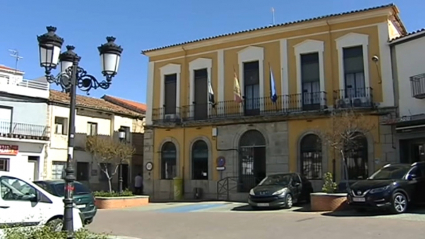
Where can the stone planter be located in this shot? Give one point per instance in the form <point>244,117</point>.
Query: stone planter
<point>121,202</point>
<point>328,201</point>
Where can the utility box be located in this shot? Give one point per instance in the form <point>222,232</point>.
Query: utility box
<point>178,188</point>
<point>197,193</point>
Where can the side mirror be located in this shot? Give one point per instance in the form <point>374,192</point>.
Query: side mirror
<point>296,184</point>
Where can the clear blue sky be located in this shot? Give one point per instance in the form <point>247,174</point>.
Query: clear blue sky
<point>139,25</point>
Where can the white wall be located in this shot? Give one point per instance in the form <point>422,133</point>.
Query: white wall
<point>18,165</point>
<point>410,57</point>
<point>108,124</point>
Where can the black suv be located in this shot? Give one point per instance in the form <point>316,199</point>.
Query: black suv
<point>394,186</point>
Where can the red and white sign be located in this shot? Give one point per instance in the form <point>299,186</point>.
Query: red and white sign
<point>6,149</point>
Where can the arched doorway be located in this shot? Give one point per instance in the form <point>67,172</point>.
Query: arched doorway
<point>356,154</point>
<point>200,160</point>
<point>311,157</point>
<point>168,161</point>
<point>252,160</point>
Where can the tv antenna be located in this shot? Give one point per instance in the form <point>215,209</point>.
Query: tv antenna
<point>273,19</point>
<point>15,54</point>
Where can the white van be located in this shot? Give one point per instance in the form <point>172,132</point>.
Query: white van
<point>24,204</point>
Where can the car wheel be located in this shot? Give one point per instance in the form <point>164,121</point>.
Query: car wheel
<point>399,203</point>
<point>288,201</point>
<point>55,224</point>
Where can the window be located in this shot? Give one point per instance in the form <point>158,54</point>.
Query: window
<point>5,119</point>
<point>58,169</point>
<point>170,90</point>
<point>200,160</point>
<point>4,164</point>
<point>91,128</point>
<point>103,167</point>
<point>201,89</point>
<point>354,72</point>
<point>61,125</point>
<point>252,87</point>
<point>311,156</point>
<point>310,79</point>
<point>168,161</point>
<point>82,171</point>
<point>13,189</point>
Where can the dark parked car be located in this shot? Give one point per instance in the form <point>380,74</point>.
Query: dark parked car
<point>393,187</point>
<point>280,190</point>
<point>83,197</point>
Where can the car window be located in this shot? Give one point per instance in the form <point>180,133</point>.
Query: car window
<point>421,168</point>
<point>13,189</point>
<point>296,179</point>
<point>79,189</point>
<point>46,187</point>
<point>416,171</point>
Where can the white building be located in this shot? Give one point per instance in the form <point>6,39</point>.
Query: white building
<point>408,58</point>
<point>24,132</point>
<point>93,117</point>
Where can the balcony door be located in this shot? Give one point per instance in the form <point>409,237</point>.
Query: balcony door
<point>251,76</point>
<point>201,94</point>
<point>310,81</point>
<point>354,72</point>
<point>5,120</point>
<point>170,91</point>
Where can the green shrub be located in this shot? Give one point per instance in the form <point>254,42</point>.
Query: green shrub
<point>125,193</point>
<point>329,186</point>
<point>47,233</point>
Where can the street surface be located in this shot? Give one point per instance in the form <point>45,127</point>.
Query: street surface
<point>212,220</point>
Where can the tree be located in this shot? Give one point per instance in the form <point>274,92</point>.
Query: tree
<point>344,131</point>
<point>107,151</point>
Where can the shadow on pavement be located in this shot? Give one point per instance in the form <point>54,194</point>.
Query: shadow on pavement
<point>373,212</point>
<point>249,208</point>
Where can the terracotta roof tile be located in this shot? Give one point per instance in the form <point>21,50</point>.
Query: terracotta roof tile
<point>417,32</point>
<point>272,26</point>
<point>129,104</point>
<point>2,67</point>
<point>92,103</point>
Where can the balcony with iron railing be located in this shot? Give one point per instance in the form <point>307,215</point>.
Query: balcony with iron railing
<point>32,88</point>
<point>354,98</point>
<point>23,131</point>
<point>418,86</point>
<point>249,107</point>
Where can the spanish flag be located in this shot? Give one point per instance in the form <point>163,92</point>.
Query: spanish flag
<point>237,89</point>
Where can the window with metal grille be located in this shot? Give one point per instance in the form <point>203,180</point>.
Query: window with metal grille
<point>200,160</point>
<point>4,164</point>
<point>168,161</point>
<point>311,157</point>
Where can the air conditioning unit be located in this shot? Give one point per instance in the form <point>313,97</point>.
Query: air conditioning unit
<point>170,117</point>
<point>58,129</point>
<point>359,101</point>
<point>342,103</point>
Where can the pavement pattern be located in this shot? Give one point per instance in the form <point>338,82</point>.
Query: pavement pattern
<point>227,220</point>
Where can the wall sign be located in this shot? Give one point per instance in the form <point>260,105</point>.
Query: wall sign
<point>149,166</point>
<point>6,149</point>
<point>221,163</point>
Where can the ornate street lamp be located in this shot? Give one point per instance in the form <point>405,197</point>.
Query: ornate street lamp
<point>122,135</point>
<point>70,77</point>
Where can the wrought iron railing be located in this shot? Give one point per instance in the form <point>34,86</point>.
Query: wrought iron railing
<point>418,86</point>
<point>263,106</point>
<point>13,129</point>
<point>354,98</point>
<point>225,186</point>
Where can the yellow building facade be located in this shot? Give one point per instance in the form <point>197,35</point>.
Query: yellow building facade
<point>223,147</point>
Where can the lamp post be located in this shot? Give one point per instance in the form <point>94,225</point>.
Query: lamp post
<point>121,135</point>
<point>70,77</point>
